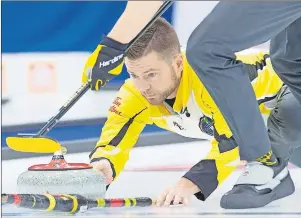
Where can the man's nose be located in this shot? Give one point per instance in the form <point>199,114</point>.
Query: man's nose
<point>143,86</point>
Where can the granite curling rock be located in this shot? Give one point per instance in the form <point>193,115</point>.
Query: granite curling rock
<point>60,177</point>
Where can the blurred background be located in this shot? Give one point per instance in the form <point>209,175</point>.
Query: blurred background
<point>44,49</point>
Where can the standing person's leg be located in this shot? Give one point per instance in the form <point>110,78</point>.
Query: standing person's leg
<point>232,27</point>
<point>229,28</point>
<point>286,57</point>
<point>295,155</point>
<point>284,127</point>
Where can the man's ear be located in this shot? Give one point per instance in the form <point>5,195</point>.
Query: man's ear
<point>179,62</point>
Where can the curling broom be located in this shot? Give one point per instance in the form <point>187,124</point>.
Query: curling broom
<point>39,143</point>
<point>71,203</point>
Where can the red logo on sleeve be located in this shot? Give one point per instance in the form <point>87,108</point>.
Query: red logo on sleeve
<point>115,105</point>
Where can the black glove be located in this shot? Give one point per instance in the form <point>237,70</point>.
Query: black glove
<point>104,63</point>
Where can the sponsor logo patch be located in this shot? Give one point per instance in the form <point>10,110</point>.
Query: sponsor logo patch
<point>116,104</point>
<point>206,125</point>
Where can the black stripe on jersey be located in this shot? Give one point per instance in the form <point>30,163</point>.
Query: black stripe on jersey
<point>266,99</point>
<point>117,139</point>
<point>94,150</point>
<point>253,68</point>
<point>224,144</point>
<point>204,175</point>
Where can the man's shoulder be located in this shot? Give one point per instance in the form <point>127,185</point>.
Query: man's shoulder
<point>130,90</point>
<point>127,104</point>
<point>130,97</point>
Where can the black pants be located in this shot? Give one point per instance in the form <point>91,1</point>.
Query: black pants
<point>233,27</point>
<point>284,127</point>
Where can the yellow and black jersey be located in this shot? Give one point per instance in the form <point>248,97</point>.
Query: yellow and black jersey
<point>193,114</point>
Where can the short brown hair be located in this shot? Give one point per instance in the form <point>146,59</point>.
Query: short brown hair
<point>159,37</point>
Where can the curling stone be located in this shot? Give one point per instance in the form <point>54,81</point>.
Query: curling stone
<point>60,177</point>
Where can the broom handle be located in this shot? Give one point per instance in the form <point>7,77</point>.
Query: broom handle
<point>71,203</point>
<point>85,87</point>
<point>63,110</point>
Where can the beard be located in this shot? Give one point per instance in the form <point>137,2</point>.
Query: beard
<point>158,97</point>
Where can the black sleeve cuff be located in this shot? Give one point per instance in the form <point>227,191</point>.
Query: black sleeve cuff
<point>112,166</point>
<point>94,150</point>
<point>203,175</point>
<point>113,43</point>
<point>198,195</point>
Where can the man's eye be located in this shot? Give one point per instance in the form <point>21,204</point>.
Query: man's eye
<point>151,75</point>
<point>134,76</point>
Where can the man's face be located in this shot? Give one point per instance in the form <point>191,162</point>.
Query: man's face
<point>154,77</point>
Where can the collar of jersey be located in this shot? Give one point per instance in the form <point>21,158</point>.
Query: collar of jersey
<point>185,87</point>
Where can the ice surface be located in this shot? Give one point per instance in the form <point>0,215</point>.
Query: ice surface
<point>151,183</point>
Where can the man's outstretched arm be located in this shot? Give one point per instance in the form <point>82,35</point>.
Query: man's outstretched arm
<point>106,61</point>
<point>134,18</point>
